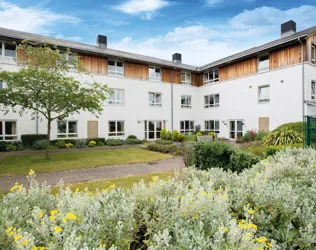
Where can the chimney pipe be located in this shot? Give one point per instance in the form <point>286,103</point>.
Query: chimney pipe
<point>102,41</point>
<point>288,28</point>
<point>177,58</point>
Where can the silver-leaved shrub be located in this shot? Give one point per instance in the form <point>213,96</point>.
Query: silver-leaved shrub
<point>270,206</point>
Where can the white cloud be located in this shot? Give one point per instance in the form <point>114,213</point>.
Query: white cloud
<point>146,8</point>
<point>116,22</point>
<point>71,38</point>
<point>31,19</point>
<point>211,3</point>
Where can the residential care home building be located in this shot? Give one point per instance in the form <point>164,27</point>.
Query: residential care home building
<point>259,89</point>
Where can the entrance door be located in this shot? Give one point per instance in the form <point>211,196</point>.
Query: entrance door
<point>153,129</point>
<point>93,129</point>
<point>235,129</point>
<point>264,124</point>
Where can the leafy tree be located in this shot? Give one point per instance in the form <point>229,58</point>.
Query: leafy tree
<point>45,85</point>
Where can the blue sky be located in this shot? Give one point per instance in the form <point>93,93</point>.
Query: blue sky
<point>202,30</point>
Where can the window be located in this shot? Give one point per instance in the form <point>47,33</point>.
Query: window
<point>211,76</point>
<point>67,129</point>
<point>235,129</point>
<point>118,97</point>
<point>186,126</point>
<point>212,126</point>
<point>186,78</point>
<point>8,130</point>
<point>313,53</point>
<point>153,129</point>
<point>116,68</point>
<point>313,90</point>
<point>186,101</point>
<point>154,99</point>
<point>211,101</point>
<point>116,128</point>
<point>154,73</point>
<point>264,94</point>
<point>263,63</point>
<point>7,49</point>
<point>1,84</point>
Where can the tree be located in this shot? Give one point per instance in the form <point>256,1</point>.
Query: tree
<point>44,85</point>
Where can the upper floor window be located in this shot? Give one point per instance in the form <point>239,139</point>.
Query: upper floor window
<point>186,78</point>
<point>186,101</point>
<point>211,101</point>
<point>154,99</point>
<point>212,126</point>
<point>118,97</point>
<point>313,53</point>
<point>67,129</point>
<point>263,63</point>
<point>264,94</point>
<point>116,128</point>
<point>116,68</point>
<point>211,76</point>
<point>8,130</point>
<point>154,73</point>
<point>313,90</point>
<point>186,126</point>
<point>7,49</point>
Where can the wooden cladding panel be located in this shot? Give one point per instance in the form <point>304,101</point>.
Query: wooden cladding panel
<point>134,70</point>
<point>286,56</point>
<point>167,76</point>
<point>94,64</point>
<point>197,80</point>
<point>309,41</point>
<point>239,69</point>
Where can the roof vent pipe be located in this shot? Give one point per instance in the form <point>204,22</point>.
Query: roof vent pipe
<point>102,41</point>
<point>288,28</point>
<point>177,58</point>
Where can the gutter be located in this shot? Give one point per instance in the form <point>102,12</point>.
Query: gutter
<point>303,79</point>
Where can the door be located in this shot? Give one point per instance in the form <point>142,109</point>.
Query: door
<point>153,129</point>
<point>93,129</point>
<point>264,124</point>
<point>235,129</point>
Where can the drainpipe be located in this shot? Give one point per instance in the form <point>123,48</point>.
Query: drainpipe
<point>172,99</point>
<point>303,79</point>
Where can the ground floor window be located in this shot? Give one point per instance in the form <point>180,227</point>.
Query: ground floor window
<point>235,129</point>
<point>212,126</point>
<point>67,129</point>
<point>153,129</point>
<point>116,128</point>
<point>186,126</point>
<point>8,130</point>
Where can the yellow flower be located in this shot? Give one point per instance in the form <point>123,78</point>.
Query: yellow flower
<point>42,223</point>
<point>77,189</point>
<point>34,248</point>
<point>109,187</point>
<point>225,229</point>
<point>17,237</point>
<point>41,214</point>
<point>19,246</point>
<point>8,230</point>
<point>70,216</point>
<point>53,212</point>
<point>25,242</point>
<point>57,229</point>
<point>31,172</point>
<point>250,211</point>
<point>42,248</point>
<point>152,199</point>
<point>51,218</point>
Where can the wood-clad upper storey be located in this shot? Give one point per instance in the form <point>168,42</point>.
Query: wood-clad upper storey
<point>311,41</point>
<point>197,80</point>
<point>94,64</point>
<point>134,70</point>
<point>238,69</point>
<point>168,74</point>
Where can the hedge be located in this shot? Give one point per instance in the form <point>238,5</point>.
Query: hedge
<point>114,142</point>
<point>240,160</point>
<point>164,142</point>
<point>168,149</point>
<point>130,141</point>
<point>271,150</point>
<point>29,139</point>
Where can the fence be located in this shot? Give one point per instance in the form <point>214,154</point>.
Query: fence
<point>310,131</point>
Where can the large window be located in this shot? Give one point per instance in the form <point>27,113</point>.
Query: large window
<point>154,73</point>
<point>211,76</point>
<point>263,63</point>
<point>186,126</point>
<point>154,99</point>
<point>67,129</point>
<point>118,97</point>
<point>116,68</point>
<point>211,101</point>
<point>116,128</point>
<point>186,101</point>
<point>313,90</point>
<point>8,130</point>
<point>153,129</point>
<point>212,126</point>
<point>186,78</point>
<point>7,49</point>
<point>313,53</point>
<point>235,129</point>
<point>264,94</point>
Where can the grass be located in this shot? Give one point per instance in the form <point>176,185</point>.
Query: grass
<point>255,149</point>
<point>14,165</point>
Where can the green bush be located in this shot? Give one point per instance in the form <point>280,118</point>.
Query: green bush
<point>100,144</point>
<point>164,142</point>
<point>10,147</point>
<point>60,144</point>
<point>248,136</point>
<point>92,144</point>
<point>114,142</point>
<point>198,134</point>
<point>175,135</point>
<point>40,144</point>
<point>3,145</point>
<point>81,143</point>
<point>272,150</point>
<point>283,137</point>
<point>240,160</point>
<point>133,141</point>
<point>189,138</point>
<point>97,140</point>
<point>165,134</point>
<point>296,126</point>
<point>180,137</point>
<point>167,149</point>
<point>261,135</point>
<point>131,137</point>
<point>29,139</point>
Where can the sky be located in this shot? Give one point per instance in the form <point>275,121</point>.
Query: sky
<point>201,30</point>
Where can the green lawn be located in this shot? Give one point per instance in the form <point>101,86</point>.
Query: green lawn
<point>13,165</point>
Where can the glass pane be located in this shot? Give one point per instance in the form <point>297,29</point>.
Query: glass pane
<point>189,77</point>
<point>264,92</point>
<point>212,125</point>
<point>10,128</point>
<point>189,100</point>
<point>183,100</point>
<point>61,127</point>
<point>158,126</point>
<point>216,125</point>
<point>158,98</point>
<point>120,95</point>
<point>9,50</point>
<point>206,125</point>
<point>232,135</point>
<point>151,126</point>
<point>112,127</point>
<point>151,98</point>
<point>145,123</point>
<point>313,88</point>
<point>239,125</point>
<point>111,63</point>
<point>151,72</point>
<point>151,135</point>
<point>232,125</point>
<point>239,134</point>
<point>72,127</point>
<point>73,135</point>
<point>183,77</point>
<point>191,125</point>
<point>206,100</point>
<point>215,74</point>
<point>217,99</point>
<point>1,128</point>
<point>211,100</point>
<point>119,64</point>
<point>0,51</point>
<point>157,135</point>
<point>120,126</point>
<point>182,125</point>
<point>205,77</point>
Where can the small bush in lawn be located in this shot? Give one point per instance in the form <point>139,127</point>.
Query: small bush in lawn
<point>249,136</point>
<point>81,143</point>
<point>180,137</point>
<point>164,142</point>
<point>272,150</point>
<point>10,147</point>
<point>60,144</point>
<point>189,138</point>
<point>261,135</point>
<point>69,145</point>
<point>114,142</point>
<point>175,135</point>
<point>133,141</point>
<point>92,144</point>
<point>165,134</point>
<point>40,144</point>
<point>29,139</point>
<point>283,137</point>
<point>167,149</point>
<point>100,144</point>
<point>212,134</point>
<point>97,139</point>
<point>240,160</point>
<point>198,134</point>
<point>131,137</point>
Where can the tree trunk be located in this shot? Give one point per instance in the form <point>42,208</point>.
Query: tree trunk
<point>48,138</point>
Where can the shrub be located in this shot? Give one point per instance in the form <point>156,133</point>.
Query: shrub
<point>20,146</point>
<point>165,134</point>
<point>3,145</point>
<point>100,144</point>
<point>40,144</point>
<point>261,135</point>
<point>114,142</point>
<point>81,143</point>
<point>10,147</point>
<point>198,134</point>
<point>249,136</point>
<point>167,149</point>
<point>69,145</point>
<point>175,135</point>
<point>272,150</point>
<point>240,160</point>
<point>239,140</point>
<point>189,138</point>
<point>295,126</point>
<point>60,144</point>
<point>131,137</point>
<point>29,139</point>
<point>133,141</point>
<point>91,144</point>
<point>97,140</point>
<point>282,137</point>
<point>180,137</point>
<point>212,134</point>
<point>187,154</point>
<point>164,142</point>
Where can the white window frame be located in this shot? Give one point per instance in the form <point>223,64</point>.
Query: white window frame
<point>263,100</point>
<point>155,131</point>
<point>211,76</point>
<point>116,133</point>
<point>155,103</point>
<point>187,79</point>
<point>237,133</point>
<point>207,126</point>
<point>187,104</point>
<point>157,76</point>
<point>313,90</point>
<point>4,135</point>
<point>313,54</point>
<point>115,72</point>
<point>116,100</point>
<point>266,68</point>
<point>208,105</point>
<point>186,129</point>
<point>66,135</point>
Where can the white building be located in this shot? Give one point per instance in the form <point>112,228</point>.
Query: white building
<point>258,89</point>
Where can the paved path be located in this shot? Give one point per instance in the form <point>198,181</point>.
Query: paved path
<point>79,175</point>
